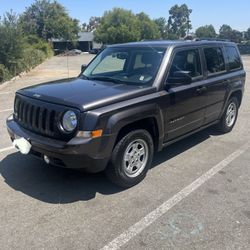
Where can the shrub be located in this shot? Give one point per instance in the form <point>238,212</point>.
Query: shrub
<point>32,57</point>
<point>244,49</point>
<point>39,44</point>
<point>45,48</point>
<point>11,41</point>
<point>4,74</point>
<point>19,52</point>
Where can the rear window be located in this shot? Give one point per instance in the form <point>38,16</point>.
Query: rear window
<point>215,60</point>
<point>233,56</point>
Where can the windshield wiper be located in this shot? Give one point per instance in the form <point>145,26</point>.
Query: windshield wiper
<point>106,78</point>
<point>84,77</point>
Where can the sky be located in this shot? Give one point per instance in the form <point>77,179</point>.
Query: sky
<point>236,13</point>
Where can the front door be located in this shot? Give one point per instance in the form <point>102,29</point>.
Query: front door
<point>187,101</point>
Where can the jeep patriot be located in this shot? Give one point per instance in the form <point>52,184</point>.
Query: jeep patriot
<point>131,100</point>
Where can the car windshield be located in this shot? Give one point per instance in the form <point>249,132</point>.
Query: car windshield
<point>128,65</point>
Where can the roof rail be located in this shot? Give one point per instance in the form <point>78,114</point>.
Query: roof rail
<point>212,39</point>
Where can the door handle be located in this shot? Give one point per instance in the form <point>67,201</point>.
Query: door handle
<point>201,90</point>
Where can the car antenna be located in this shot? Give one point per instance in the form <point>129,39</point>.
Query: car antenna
<point>67,58</point>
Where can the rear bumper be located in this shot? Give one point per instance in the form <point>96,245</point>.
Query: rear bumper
<point>91,154</point>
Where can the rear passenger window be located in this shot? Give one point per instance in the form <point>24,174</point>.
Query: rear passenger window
<point>233,58</point>
<point>187,60</point>
<point>215,60</point>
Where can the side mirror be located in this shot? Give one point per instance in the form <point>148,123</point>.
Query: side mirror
<point>180,77</point>
<point>83,67</point>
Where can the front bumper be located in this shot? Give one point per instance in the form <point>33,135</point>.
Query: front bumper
<point>90,154</point>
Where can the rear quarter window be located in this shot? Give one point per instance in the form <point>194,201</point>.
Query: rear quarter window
<point>234,61</point>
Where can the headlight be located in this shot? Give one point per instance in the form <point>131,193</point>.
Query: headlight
<point>69,121</point>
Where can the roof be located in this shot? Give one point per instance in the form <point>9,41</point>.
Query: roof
<point>82,37</point>
<point>85,37</point>
<point>167,43</point>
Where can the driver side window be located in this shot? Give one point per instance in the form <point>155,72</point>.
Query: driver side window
<point>187,61</point>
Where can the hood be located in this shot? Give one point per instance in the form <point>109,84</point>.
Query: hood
<point>84,94</point>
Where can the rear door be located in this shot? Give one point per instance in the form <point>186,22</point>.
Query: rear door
<point>216,81</point>
<point>187,101</point>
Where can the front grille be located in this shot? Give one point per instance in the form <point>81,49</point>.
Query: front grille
<point>35,118</point>
<point>39,117</point>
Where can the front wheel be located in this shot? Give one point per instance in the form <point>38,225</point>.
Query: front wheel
<point>131,159</point>
<point>229,117</point>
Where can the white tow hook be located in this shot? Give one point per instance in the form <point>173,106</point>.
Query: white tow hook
<point>46,159</point>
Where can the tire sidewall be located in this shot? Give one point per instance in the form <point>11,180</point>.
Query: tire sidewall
<point>225,127</point>
<point>118,155</point>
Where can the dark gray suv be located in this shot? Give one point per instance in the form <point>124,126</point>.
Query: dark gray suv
<point>131,100</point>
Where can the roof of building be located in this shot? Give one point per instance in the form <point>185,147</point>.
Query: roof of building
<point>85,37</point>
<point>82,37</point>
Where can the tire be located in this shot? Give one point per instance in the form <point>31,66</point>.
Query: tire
<point>229,118</point>
<point>128,165</point>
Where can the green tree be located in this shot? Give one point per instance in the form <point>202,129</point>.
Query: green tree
<point>148,28</point>
<point>19,52</point>
<point>162,26</point>
<point>237,36</point>
<point>247,34</point>
<point>34,42</point>
<point>206,31</point>
<point>226,32</point>
<point>48,20</point>
<point>179,22</point>
<point>11,42</point>
<point>118,26</point>
<point>92,25</point>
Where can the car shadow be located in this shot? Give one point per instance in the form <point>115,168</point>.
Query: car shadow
<point>183,145</point>
<point>58,185</point>
<point>49,184</point>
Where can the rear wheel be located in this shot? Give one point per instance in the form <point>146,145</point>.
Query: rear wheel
<point>230,115</point>
<point>131,159</point>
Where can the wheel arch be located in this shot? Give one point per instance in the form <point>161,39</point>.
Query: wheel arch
<point>148,117</point>
<point>149,124</point>
<point>238,94</point>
